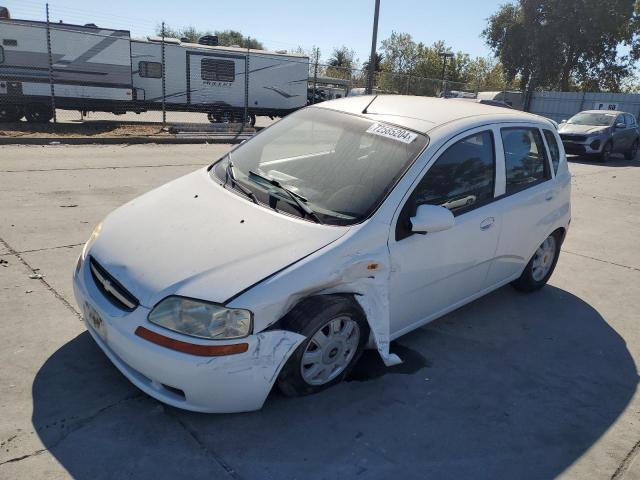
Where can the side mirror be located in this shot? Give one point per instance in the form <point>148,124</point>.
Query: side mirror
<point>431,218</point>
<point>620,126</point>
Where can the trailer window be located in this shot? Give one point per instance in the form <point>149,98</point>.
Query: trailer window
<point>150,69</point>
<point>9,43</point>
<point>215,70</point>
<point>1,55</point>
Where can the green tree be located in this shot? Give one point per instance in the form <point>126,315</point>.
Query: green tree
<point>341,63</point>
<point>563,43</point>
<point>225,37</point>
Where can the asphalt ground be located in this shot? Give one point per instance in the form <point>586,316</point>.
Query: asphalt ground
<point>510,386</point>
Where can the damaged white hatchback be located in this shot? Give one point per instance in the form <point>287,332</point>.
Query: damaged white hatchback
<point>340,227</point>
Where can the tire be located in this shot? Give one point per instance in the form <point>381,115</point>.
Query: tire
<point>533,279</point>
<point>307,372</point>
<point>632,152</point>
<point>607,150</point>
<point>38,113</point>
<point>10,113</point>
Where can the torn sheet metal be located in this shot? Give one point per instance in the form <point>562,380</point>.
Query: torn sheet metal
<point>359,269</point>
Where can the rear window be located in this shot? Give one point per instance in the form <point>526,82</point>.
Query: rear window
<point>554,150</point>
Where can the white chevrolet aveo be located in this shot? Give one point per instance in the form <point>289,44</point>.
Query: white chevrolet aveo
<point>343,226</point>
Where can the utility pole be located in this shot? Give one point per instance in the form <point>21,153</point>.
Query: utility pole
<point>374,42</point>
<point>444,56</point>
<point>164,84</point>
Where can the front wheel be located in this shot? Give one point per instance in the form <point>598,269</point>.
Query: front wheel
<point>632,152</point>
<point>10,113</point>
<point>541,266</point>
<point>607,150</point>
<point>336,331</point>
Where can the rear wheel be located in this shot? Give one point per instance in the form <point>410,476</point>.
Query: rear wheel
<point>541,266</point>
<point>632,152</point>
<point>38,113</point>
<point>336,331</point>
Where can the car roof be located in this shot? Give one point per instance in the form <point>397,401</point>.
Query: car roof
<point>617,112</point>
<point>423,114</point>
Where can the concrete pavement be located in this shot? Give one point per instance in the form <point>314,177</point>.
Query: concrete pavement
<point>510,386</point>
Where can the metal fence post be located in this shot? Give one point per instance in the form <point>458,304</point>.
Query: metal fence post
<point>164,110</point>
<point>315,75</point>
<point>245,117</point>
<point>51,83</point>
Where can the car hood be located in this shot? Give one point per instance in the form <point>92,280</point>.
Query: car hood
<point>194,238</point>
<point>581,129</point>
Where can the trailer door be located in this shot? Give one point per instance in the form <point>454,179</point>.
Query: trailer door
<point>215,79</point>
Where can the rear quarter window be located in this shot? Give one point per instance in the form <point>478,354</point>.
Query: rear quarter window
<point>554,150</point>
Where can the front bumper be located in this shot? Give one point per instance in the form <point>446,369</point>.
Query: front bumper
<point>583,147</point>
<point>224,384</point>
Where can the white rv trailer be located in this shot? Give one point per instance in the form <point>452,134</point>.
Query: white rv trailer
<point>97,69</point>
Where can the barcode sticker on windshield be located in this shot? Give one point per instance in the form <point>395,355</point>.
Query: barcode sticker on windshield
<point>395,133</point>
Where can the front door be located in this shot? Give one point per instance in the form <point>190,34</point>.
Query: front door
<point>433,273</point>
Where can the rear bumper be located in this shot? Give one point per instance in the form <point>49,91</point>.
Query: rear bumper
<point>224,384</point>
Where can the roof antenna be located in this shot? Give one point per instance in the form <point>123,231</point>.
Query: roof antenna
<point>369,104</point>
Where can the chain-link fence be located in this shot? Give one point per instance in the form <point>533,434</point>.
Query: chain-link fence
<point>79,74</point>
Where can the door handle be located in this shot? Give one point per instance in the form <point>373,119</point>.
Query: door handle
<point>549,196</point>
<point>487,223</point>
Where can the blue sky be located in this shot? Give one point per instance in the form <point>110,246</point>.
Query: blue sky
<point>285,24</point>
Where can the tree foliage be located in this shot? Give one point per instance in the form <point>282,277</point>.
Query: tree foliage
<point>226,38</point>
<point>413,67</point>
<point>565,44</point>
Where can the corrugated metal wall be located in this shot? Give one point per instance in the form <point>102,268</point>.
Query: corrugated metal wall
<point>562,105</point>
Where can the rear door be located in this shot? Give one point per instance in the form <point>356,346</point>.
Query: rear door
<point>527,204</point>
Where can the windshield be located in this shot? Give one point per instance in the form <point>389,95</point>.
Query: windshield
<point>593,119</point>
<point>341,166</point>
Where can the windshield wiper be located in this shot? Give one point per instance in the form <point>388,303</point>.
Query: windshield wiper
<point>299,200</point>
<point>231,176</point>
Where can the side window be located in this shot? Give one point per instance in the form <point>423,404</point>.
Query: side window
<point>553,149</point>
<point>526,164</point>
<point>150,69</point>
<point>462,178</point>
<point>215,70</point>
<point>620,119</point>
<point>1,55</point>
<point>631,121</point>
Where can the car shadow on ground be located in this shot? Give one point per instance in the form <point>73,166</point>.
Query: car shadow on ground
<point>615,160</point>
<point>510,386</point>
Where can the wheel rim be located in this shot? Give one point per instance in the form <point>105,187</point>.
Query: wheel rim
<point>543,258</point>
<point>330,351</point>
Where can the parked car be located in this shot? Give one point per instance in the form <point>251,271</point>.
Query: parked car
<point>343,226</point>
<point>601,133</point>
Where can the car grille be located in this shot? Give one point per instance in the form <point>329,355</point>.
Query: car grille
<point>111,288</point>
<point>573,138</point>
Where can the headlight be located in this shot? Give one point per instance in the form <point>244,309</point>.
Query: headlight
<point>92,239</point>
<point>201,319</point>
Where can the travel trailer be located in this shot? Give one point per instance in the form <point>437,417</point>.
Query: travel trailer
<point>98,69</point>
